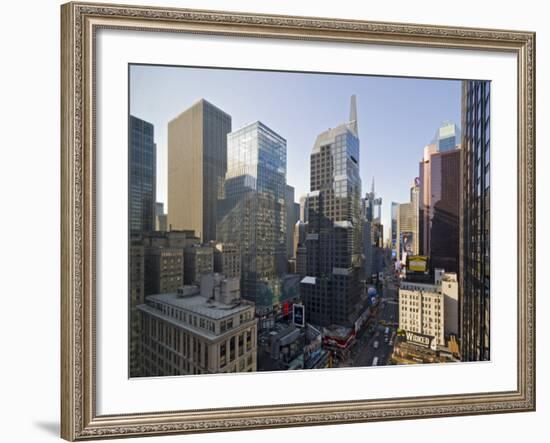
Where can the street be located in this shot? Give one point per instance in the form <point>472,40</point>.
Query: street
<point>364,352</point>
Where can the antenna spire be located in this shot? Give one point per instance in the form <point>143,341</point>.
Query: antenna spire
<point>353,113</point>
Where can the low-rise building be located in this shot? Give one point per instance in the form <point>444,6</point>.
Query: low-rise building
<point>422,310</point>
<point>198,330</point>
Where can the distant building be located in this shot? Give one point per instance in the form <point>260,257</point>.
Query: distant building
<point>407,240</point>
<point>163,270</point>
<point>475,216</point>
<point>447,137</point>
<point>206,330</point>
<point>227,259</point>
<point>449,287</point>
<point>198,261</point>
<point>332,288</point>
<point>197,163</point>
<point>439,198</point>
<point>292,217</point>
<point>303,209</point>
<point>161,219</point>
<point>143,176</point>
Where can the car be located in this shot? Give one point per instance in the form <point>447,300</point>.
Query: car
<point>376,344</point>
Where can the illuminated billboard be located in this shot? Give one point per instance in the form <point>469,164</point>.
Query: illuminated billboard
<point>417,263</point>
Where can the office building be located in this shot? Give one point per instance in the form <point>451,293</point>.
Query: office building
<point>393,228</point>
<point>197,163</point>
<point>253,212</point>
<point>447,137</point>
<point>198,330</point>
<point>163,269</point>
<point>439,198</point>
<point>331,288</point>
<point>407,241</point>
<point>227,259</point>
<point>143,176</point>
<point>303,208</point>
<point>292,216</point>
<point>161,219</point>
<point>198,261</point>
<point>475,222</point>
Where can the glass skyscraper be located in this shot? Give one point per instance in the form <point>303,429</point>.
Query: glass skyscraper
<point>331,289</point>
<point>253,211</point>
<point>474,295</point>
<point>447,137</point>
<point>143,176</point>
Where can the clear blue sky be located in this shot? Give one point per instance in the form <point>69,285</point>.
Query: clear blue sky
<point>397,116</point>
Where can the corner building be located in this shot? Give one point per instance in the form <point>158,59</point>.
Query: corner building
<point>331,288</point>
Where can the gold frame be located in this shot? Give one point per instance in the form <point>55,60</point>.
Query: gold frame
<point>79,22</point>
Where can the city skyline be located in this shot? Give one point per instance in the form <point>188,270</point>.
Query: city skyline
<point>317,102</point>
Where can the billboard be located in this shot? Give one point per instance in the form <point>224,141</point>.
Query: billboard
<point>299,315</point>
<point>419,339</point>
<point>407,242</point>
<point>417,263</point>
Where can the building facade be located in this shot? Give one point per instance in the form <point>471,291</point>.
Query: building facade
<point>253,212</point>
<point>292,216</point>
<point>197,163</point>
<point>198,261</point>
<point>136,282</point>
<point>331,289</point>
<point>422,310</point>
<point>163,270</point>
<point>407,241</point>
<point>475,222</point>
<point>439,200</point>
<point>198,331</point>
<point>227,259</point>
<point>143,176</point>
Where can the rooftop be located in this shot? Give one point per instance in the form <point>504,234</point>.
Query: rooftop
<point>200,305</point>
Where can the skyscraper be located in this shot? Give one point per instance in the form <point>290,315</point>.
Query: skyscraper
<point>474,290</point>
<point>197,163</point>
<point>394,218</point>
<point>332,288</point>
<point>407,240</point>
<point>292,216</point>
<point>439,194</point>
<point>143,176</point>
<point>253,213</point>
<point>447,137</point>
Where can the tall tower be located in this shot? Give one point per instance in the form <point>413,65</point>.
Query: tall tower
<point>439,196</point>
<point>197,163</point>
<point>475,276</point>
<point>143,176</point>
<point>253,212</point>
<point>331,288</point>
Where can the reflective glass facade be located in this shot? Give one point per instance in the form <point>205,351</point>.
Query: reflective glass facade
<point>474,295</point>
<point>334,230</point>
<point>143,174</point>
<point>253,212</point>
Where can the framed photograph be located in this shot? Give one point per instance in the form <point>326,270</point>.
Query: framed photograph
<point>277,221</point>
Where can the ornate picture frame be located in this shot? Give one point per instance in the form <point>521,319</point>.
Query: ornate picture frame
<point>80,22</point>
